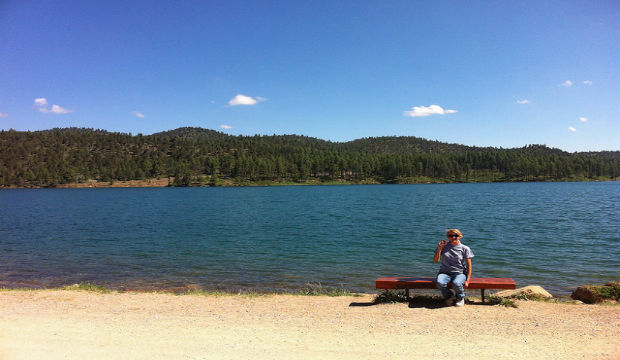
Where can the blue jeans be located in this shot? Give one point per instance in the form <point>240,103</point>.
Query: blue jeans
<point>457,285</point>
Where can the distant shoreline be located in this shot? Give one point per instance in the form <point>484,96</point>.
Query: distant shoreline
<point>168,182</point>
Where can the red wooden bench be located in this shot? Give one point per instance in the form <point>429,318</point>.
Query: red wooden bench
<point>406,283</point>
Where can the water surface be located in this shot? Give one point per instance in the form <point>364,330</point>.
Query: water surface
<point>557,235</point>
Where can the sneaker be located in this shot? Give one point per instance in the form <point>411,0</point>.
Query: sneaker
<point>450,301</point>
<point>460,302</point>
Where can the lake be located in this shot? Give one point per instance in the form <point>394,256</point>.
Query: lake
<point>557,235</point>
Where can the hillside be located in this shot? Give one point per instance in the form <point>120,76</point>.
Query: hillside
<point>196,156</point>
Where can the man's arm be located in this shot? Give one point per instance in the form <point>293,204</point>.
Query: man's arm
<point>466,283</point>
<point>440,246</point>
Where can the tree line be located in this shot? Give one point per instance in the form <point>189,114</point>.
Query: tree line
<point>200,156</point>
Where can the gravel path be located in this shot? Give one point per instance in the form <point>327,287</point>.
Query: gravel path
<point>55,324</point>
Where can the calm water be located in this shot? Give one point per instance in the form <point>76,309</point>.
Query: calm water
<point>557,235</point>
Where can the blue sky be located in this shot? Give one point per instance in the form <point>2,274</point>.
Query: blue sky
<point>484,73</point>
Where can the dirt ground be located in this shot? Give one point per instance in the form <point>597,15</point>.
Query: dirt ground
<point>60,324</point>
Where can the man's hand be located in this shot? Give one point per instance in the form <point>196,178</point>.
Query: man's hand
<point>440,246</point>
<point>466,284</point>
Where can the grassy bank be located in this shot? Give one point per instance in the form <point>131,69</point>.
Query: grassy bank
<point>308,290</point>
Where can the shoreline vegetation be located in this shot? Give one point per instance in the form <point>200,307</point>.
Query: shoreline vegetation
<point>609,293</point>
<point>206,181</point>
<point>76,157</point>
<point>310,290</point>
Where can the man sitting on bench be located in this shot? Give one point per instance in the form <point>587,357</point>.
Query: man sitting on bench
<point>455,267</point>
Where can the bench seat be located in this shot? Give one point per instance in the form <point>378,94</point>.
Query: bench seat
<point>412,282</point>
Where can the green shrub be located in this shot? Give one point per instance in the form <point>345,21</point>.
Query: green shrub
<point>529,297</point>
<point>496,300</point>
<point>88,286</point>
<point>610,290</point>
<point>320,290</point>
<point>217,293</point>
<point>389,296</point>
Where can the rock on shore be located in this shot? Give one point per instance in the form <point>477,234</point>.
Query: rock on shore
<point>532,291</point>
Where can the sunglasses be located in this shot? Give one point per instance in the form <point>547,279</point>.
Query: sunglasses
<point>453,236</point>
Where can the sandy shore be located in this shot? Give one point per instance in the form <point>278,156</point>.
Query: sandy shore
<point>57,324</point>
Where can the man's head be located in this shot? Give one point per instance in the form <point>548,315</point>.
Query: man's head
<point>454,234</point>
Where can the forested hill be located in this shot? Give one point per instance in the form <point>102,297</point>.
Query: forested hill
<point>196,156</point>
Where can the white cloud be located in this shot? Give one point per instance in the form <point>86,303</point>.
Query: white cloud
<point>583,119</point>
<point>58,110</point>
<point>225,127</point>
<point>567,83</point>
<point>138,114</point>
<point>524,101</point>
<point>572,129</point>
<point>241,99</point>
<point>419,111</point>
<point>3,115</point>
<point>40,102</point>
<point>588,82</point>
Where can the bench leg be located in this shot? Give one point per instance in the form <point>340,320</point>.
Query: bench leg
<point>482,294</point>
<point>407,294</point>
